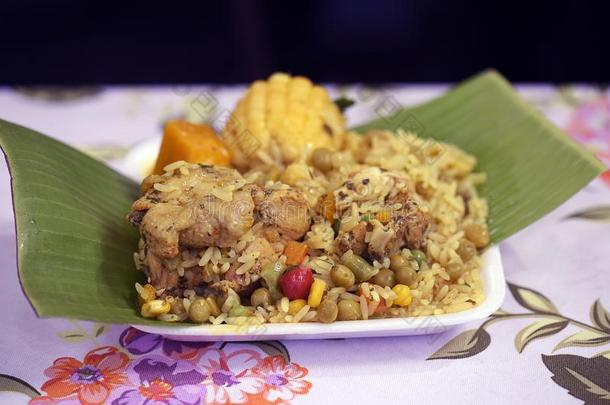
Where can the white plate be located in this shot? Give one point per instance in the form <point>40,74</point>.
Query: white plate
<point>493,281</point>
<point>140,159</point>
<point>138,163</point>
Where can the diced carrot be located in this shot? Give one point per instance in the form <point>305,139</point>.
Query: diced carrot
<point>328,206</point>
<point>192,143</point>
<point>381,307</point>
<point>384,216</point>
<point>295,252</point>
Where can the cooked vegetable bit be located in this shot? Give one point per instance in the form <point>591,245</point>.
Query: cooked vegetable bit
<point>295,252</point>
<point>271,273</point>
<point>360,267</point>
<point>328,311</point>
<point>154,308</point>
<point>342,276</point>
<point>296,282</point>
<point>384,216</point>
<point>322,159</point>
<point>316,292</point>
<point>146,293</point>
<point>385,278</point>
<point>348,310</point>
<point>199,311</point>
<point>239,310</point>
<point>260,297</point>
<point>404,295</point>
<point>419,256</point>
<point>191,143</point>
<point>295,306</point>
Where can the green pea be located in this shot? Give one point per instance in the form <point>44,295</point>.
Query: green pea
<point>199,311</point>
<point>419,256</point>
<point>328,311</point>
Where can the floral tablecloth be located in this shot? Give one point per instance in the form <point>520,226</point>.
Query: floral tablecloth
<point>550,342</point>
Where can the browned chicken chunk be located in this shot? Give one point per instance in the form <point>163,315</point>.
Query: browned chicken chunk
<point>199,206</point>
<point>284,210</point>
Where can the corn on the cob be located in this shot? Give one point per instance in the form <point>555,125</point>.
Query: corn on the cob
<point>284,115</point>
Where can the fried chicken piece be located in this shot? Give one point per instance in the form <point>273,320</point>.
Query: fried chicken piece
<point>409,222</point>
<point>186,210</point>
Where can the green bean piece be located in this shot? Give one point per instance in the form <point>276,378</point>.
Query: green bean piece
<point>238,310</point>
<point>360,267</point>
<point>271,273</point>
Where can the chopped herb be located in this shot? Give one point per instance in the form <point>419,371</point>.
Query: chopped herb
<point>344,103</point>
<point>366,217</point>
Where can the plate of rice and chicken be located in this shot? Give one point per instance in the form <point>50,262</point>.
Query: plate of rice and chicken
<point>288,225</point>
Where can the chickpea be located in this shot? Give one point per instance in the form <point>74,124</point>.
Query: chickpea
<point>342,276</point>
<point>328,311</point>
<point>199,311</point>
<point>322,159</point>
<point>260,297</point>
<point>385,278</point>
<point>348,310</point>
<point>466,250</point>
<point>477,234</point>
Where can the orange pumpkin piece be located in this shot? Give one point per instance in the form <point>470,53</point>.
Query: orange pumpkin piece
<point>192,143</point>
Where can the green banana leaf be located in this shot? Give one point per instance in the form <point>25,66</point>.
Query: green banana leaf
<point>75,249</point>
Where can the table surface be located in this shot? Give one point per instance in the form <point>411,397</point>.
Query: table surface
<point>550,342</point>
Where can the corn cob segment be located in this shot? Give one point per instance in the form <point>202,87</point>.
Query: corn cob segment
<point>284,117</point>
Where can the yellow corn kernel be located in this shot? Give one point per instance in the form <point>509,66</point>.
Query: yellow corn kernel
<point>316,292</point>
<point>294,173</point>
<point>212,306</point>
<point>403,294</point>
<point>146,293</point>
<point>384,216</point>
<point>295,306</point>
<point>155,308</point>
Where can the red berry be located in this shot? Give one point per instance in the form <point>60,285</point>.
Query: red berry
<point>296,282</point>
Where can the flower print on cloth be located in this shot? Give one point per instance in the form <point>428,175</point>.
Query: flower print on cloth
<point>159,380</point>
<point>138,342</point>
<point>590,125</point>
<point>229,378</point>
<point>282,381</point>
<point>92,380</point>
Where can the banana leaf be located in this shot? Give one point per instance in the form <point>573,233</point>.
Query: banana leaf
<point>75,249</point>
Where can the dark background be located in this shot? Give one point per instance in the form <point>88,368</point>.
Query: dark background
<point>81,42</point>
